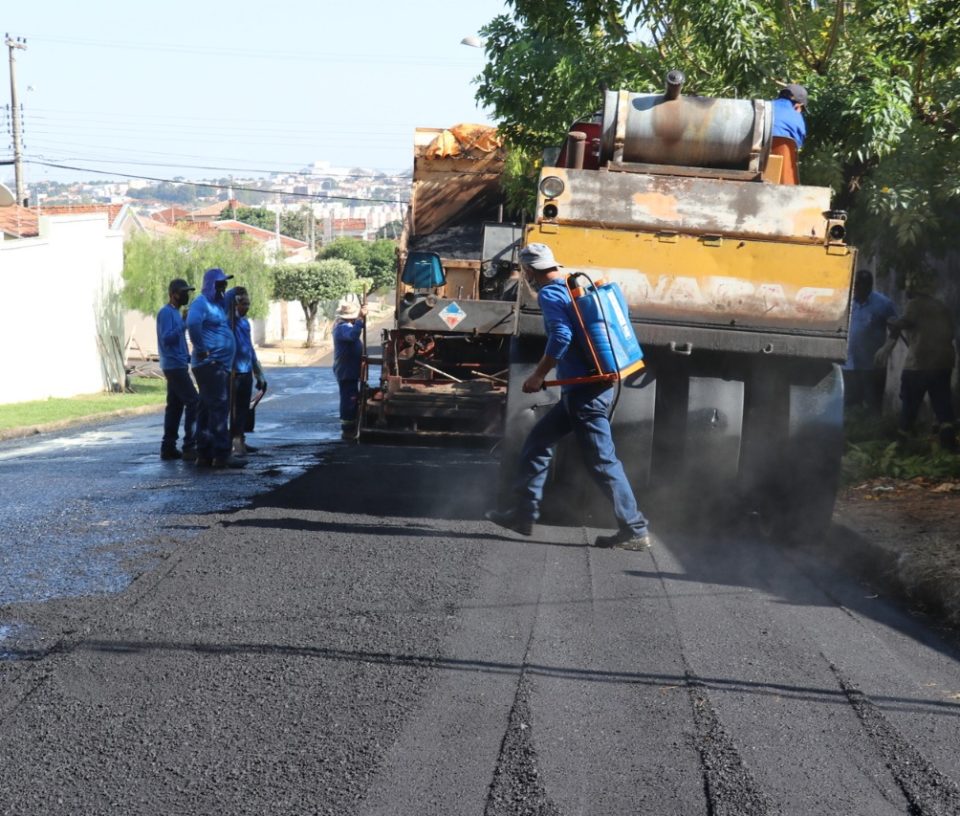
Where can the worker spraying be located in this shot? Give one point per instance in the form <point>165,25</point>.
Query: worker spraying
<point>584,410</point>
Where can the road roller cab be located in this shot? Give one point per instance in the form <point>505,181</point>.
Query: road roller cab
<point>738,287</point>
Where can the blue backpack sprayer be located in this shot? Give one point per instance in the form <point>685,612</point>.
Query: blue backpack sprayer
<point>605,331</point>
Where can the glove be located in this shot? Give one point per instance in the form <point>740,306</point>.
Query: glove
<point>261,385</point>
<point>882,357</point>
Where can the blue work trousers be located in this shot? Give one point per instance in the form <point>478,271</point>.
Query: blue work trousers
<point>584,411</point>
<point>182,402</point>
<point>213,418</point>
<point>349,402</point>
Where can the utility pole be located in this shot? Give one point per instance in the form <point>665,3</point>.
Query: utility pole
<point>15,113</point>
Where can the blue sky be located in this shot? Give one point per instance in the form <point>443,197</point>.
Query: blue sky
<point>244,86</point>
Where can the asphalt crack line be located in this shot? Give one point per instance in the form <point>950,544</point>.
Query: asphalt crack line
<point>517,788</point>
<point>729,787</point>
<point>927,790</point>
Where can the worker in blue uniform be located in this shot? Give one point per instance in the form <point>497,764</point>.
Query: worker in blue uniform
<point>182,399</point>
<point>583,410</point>
<point>246,369</point>
<point>214,347</point>
<point>347,362</point>
<point>788,110</point>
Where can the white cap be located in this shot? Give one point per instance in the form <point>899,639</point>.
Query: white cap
<point>538,256</point>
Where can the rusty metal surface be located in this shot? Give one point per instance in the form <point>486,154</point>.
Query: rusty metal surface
<point>693,205</point>
<point>689,130</point>
<point>456,191</point>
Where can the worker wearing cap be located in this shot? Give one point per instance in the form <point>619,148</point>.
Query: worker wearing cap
<point>788,111</point>
<point>182,399</point>
<point>583,409</point>
<point>347,359</point>
<point>214,347</point>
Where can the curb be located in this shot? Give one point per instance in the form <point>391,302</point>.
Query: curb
<point>63,424</point>
<point>881,566</point>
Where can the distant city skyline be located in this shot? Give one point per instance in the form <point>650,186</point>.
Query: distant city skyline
<point>205,92</point>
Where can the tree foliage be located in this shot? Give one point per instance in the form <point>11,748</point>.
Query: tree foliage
<point>376,260</point>
<point>883,76</point>
<point>317,286</point>
<point>149,264</point>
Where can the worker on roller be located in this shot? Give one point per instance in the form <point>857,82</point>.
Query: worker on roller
<point>788,109</point>
<point>583,410</point>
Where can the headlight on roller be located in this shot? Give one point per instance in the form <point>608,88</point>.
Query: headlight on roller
<point>551,186</point>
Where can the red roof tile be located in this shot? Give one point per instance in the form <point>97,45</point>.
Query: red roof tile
<point>19,221</point>
<point>259,234</point>
<point>170,215</point>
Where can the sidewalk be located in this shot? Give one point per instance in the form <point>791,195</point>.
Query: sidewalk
<point>906,536</point>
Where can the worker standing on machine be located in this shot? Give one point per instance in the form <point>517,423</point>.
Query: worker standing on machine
<point>583,410</point>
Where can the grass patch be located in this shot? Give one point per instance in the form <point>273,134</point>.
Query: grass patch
<point>875,449</point>
<point>146,391</point>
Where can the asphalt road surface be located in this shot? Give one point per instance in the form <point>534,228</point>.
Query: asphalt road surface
<point>357,640</point>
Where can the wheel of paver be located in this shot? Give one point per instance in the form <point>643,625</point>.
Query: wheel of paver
<point>790,468</point>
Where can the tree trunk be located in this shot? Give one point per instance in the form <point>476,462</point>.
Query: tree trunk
<point>310,310</point>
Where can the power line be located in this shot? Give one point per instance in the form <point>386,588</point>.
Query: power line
<point>302,56</point>
<point>288,172</point>
<point>216,186</point>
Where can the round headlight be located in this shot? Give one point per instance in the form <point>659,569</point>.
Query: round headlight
<point>551,186</point>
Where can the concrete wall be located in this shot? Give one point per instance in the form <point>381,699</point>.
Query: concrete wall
<point>54,285</point>
<point>285,322</point>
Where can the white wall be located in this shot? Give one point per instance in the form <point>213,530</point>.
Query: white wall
<point>52,285</point>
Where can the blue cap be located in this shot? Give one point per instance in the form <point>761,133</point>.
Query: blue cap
<point>219,274</point>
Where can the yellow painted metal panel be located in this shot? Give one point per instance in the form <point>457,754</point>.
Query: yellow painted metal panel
<point>744,282</point>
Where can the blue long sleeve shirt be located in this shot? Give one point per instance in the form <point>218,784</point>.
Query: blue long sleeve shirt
<point>868,330</point>
<point>210,331</point>
<point>558,320</point>
<point>347,349</point>
<point>246,355</point>
<point>788,121</point>
<point>172,339</point>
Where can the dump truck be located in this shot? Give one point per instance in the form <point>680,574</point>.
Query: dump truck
<point>739,290</point>
<point>444,362</point>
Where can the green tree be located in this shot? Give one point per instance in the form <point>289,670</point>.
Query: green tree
<point>317,286</point>
<point>372,259</point>
<point>391,229</point>
<point>149,264</point>
<point>883,75</point>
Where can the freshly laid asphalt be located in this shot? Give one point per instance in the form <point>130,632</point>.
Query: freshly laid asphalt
<point>359,641</point>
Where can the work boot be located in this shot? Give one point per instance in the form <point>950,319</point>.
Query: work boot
<point>624,540</point>
<point>168,454</point>
<point>510,520</point>
<point>223,462</point>
<point>189,454</point>
<point>204,461</point>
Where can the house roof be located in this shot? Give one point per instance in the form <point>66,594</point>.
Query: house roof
<point>18,221</point>
<point>212,210</point>
<point>170,215</point>
<point>257,233</point>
